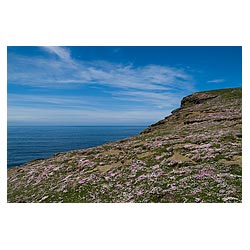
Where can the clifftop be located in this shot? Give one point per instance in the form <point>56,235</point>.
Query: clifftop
<point>193,155</point>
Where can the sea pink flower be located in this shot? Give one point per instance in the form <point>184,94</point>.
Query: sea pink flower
<point>139,192</point>
<point>86,161</point>
<point>195,191</point>
<point>82,181</point>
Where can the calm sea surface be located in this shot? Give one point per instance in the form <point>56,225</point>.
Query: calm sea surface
<point>30,143</point>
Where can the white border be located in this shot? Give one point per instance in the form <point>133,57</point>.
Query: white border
<point>3,123</point>
<point>124,226</point>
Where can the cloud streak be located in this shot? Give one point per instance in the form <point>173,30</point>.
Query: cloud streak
<point>45,115</point>
<point>216,81</point>
<point>61,52</point>
<point>53,72</point>
<point>159,99</point>
<point>139,92</point>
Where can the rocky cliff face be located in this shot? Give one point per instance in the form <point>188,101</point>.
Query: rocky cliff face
<point>193,155</point>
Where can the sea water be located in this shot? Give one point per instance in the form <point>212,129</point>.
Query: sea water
<point>27,143</point>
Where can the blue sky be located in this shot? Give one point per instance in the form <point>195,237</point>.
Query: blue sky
<point>112,85</point>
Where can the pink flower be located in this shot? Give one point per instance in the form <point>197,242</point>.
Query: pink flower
<point>195,191</point>
<point>86,161</point>
<point>139,192</point>
<point>82,181</point>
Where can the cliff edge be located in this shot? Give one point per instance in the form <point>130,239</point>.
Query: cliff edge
<point>193,155</point>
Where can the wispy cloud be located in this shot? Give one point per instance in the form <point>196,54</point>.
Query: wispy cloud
<point>54,101</point>
<point>216,81</point>
<point>57,72</point>
<point>56,116</point>
<point>159,99</point>
<point>136,90</point>
<point>62,53</point>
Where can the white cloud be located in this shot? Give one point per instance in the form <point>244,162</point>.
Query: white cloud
<point>216,81</point>
<point>54,100</point>
<point>142,94</point>
<point>58,72</point>
<point>160,99</point>
<point>61,52</point>
<point>57,116</point>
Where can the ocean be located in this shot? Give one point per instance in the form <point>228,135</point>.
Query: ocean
<point>26,143</point>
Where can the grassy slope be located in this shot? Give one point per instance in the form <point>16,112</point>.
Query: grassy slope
<point>194,155</point>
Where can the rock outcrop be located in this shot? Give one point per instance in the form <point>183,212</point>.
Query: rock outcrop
<point>193,155</point>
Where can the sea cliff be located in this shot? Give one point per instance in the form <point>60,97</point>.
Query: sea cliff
<point>193,155</point>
